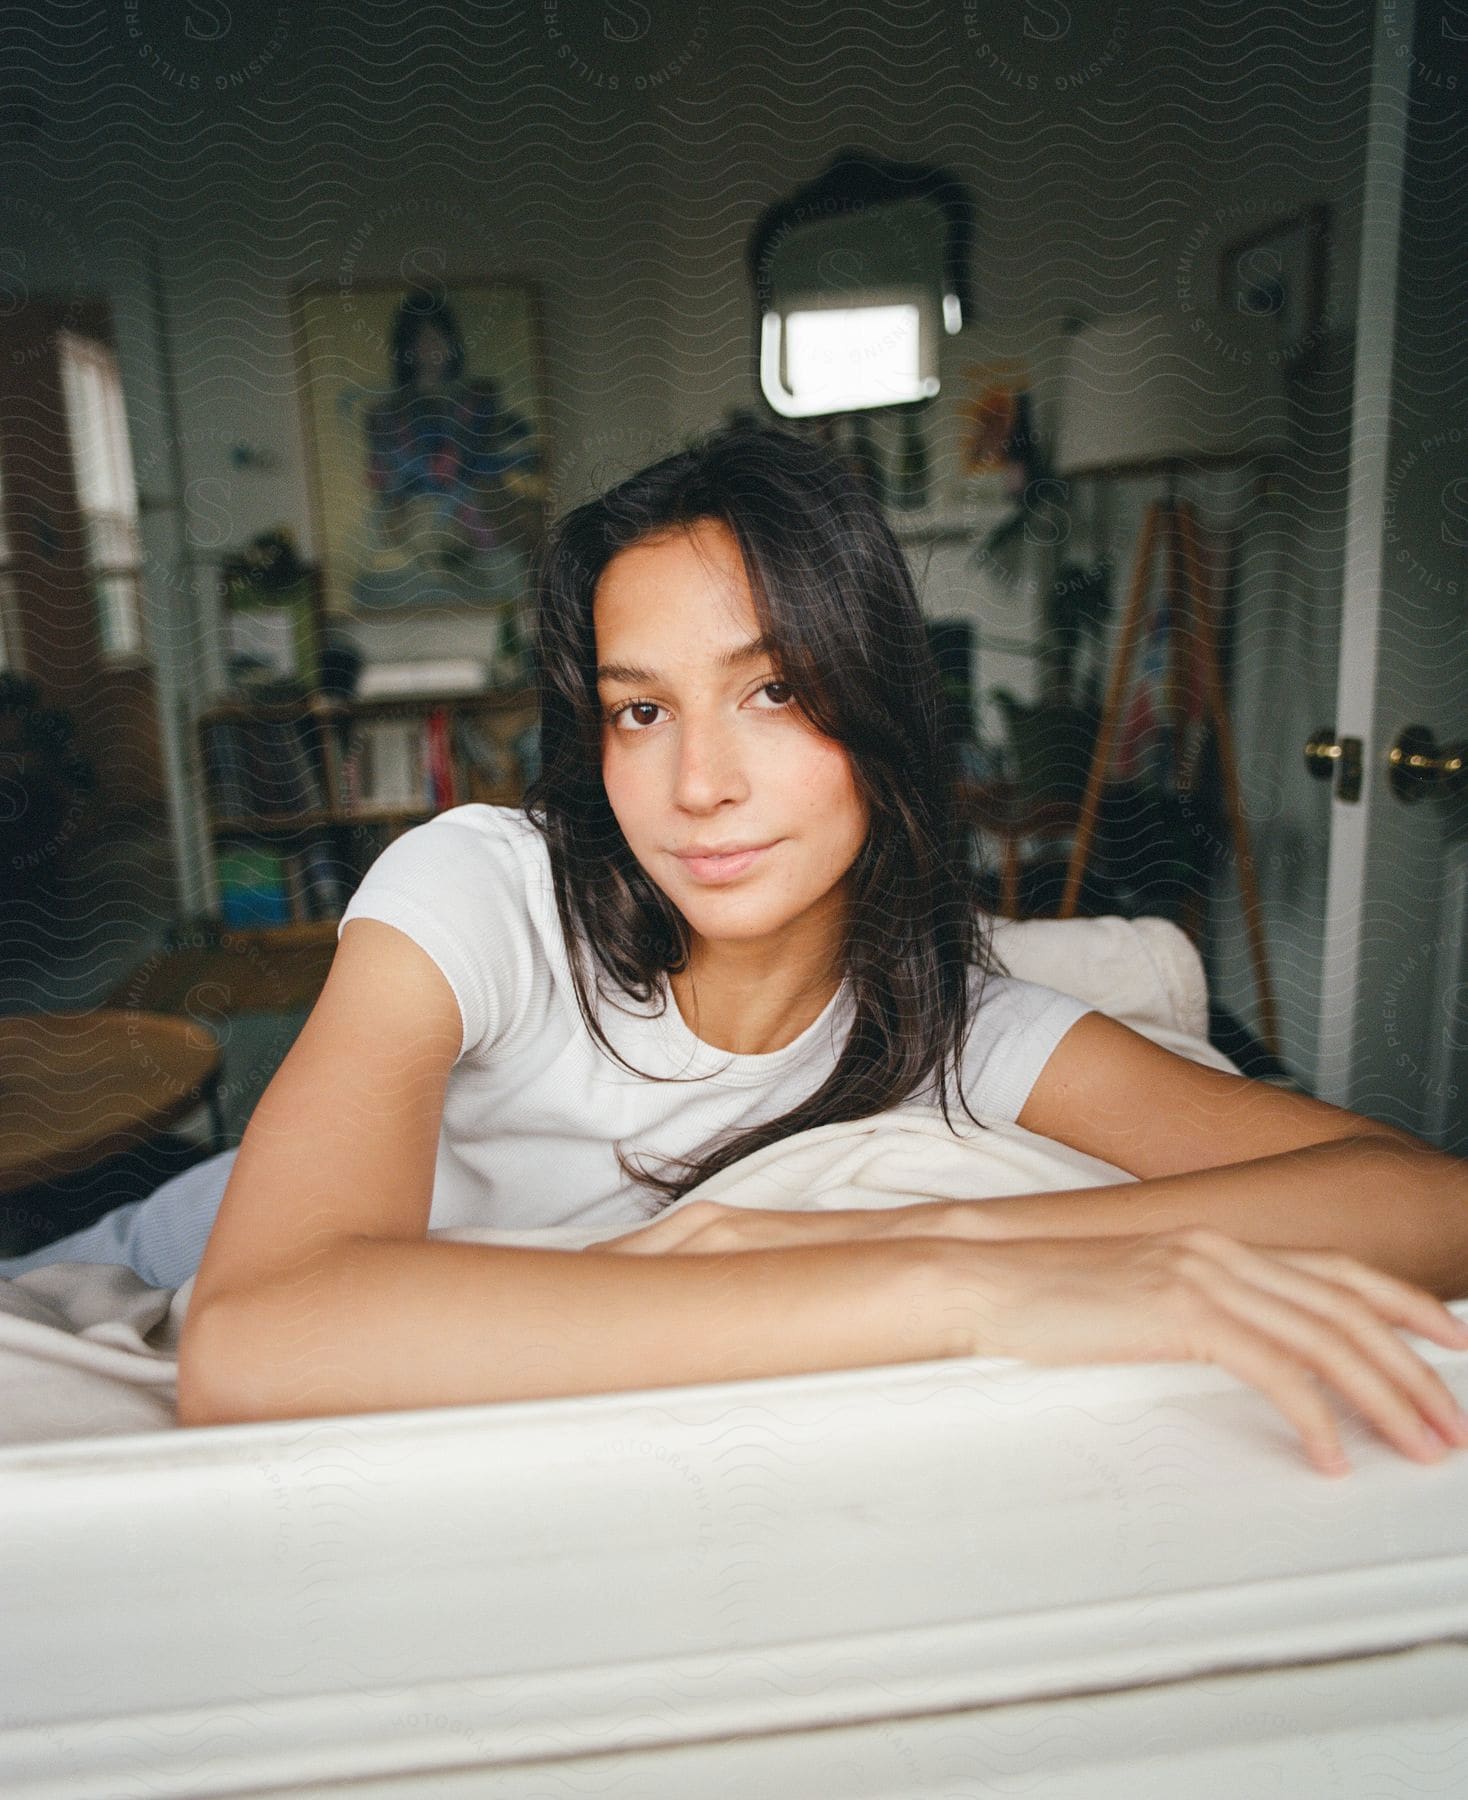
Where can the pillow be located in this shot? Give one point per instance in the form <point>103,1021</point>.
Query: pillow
<point>1144,972</point>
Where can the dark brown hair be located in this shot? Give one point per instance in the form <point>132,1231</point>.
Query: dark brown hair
<point>832,591</point>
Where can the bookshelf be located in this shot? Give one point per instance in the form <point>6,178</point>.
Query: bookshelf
<point>301,795</point>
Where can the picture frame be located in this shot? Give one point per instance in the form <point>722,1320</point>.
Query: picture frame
<point>1281,271</point>
<point>989,413</point>
<point>427,438</point>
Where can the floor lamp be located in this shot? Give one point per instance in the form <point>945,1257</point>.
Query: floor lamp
<point>1166,395</point>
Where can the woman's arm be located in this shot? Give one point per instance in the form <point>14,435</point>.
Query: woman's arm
<point>319,1294</point>
<point>374,1324</point>
<point>1400,1206</point>
<point>1265,1166</point>
<point>319,1291</point>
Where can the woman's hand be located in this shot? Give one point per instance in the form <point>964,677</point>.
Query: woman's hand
<point>1278,1319</point>
<point>1282,1320</point>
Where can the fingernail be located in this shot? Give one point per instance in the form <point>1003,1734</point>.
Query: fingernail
<point>1432,1442</point>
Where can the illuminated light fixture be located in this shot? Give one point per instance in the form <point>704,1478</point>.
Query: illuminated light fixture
<point>820,354</point>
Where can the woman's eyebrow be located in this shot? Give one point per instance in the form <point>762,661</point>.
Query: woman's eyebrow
<point>748,652</point>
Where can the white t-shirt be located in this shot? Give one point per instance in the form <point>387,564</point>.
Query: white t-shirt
<point>534,1106</point>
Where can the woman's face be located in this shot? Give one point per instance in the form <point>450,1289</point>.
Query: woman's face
<point>706,752</point>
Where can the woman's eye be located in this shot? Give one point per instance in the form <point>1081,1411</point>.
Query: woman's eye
<point>633,715</point>
<point>633,708</point>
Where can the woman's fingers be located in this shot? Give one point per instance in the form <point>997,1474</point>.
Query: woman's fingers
<point>1197,1294</point>
<point>1359,1357</point>
<point>708,1228</point>
<point>670,1231</point>
<point>1263,1364</point>
<point>1393,1298</point>
<point>1367,1304</point>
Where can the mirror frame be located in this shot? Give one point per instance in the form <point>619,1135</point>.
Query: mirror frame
<point>856,181</point>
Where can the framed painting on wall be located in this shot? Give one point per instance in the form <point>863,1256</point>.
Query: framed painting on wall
<point>427,442</point>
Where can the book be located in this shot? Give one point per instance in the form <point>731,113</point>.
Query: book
<point>443,775</point>
<point>392,769</point>
<point>295,887</point>
<point>224,770</point>
<point>260,766</point>
<point>349,789</point>
<point>330,881</point>
<point>294,782</point>
<point>253,887</point>
<point>481,753</point>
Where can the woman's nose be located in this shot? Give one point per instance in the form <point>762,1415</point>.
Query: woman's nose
<point>710,764</point>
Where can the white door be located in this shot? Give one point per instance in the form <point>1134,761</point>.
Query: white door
<point>1394,1000</point>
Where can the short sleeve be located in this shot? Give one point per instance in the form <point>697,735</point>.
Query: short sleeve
<point>1014,1032</point>
<point>452,888</point>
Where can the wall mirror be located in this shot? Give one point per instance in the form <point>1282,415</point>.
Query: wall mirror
<point>857,276</point>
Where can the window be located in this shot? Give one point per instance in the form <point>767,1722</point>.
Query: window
<point>106,489</point>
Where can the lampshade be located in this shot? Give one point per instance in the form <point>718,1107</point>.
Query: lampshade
<point>1152,391</point>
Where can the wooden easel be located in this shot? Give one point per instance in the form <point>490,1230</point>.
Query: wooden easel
<point>1191,602</point>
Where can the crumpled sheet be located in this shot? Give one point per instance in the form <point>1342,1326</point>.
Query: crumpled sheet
<point>90,1350</point>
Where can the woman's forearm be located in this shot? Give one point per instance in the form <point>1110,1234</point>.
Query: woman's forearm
<point>371,1324</point>
<point>377,1325</point>
<point>1385,1199</point>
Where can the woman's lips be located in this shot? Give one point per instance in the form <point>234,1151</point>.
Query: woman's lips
<point>716,869</point>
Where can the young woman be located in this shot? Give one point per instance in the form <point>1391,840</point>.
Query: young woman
<point>733,908</point>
